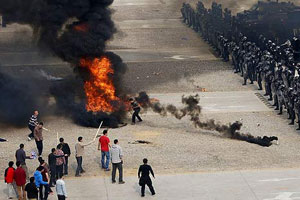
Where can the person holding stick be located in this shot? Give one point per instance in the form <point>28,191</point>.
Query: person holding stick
<point>38,136</point>
<point>104,143</point>
<point>79,151</point>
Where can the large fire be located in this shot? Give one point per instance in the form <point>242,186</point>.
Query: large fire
<point>99,89</point>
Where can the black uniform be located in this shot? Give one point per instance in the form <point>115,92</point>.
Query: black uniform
<point>145,179</point>
<point>136,109</point>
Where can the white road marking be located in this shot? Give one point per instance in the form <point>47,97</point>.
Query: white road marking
<point>278,179</point>
<point>286,196</point>
<point>182,57</point>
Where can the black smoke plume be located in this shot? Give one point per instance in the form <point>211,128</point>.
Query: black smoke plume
<point>192,109</point>
<point>71,30</point>
<point>19,98</point>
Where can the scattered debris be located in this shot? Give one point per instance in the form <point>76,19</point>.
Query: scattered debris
<point>140,142</point>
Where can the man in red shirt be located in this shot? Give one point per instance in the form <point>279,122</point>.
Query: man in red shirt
<point>104,142</point>
<point>9,180</point>
<point>20,179</point>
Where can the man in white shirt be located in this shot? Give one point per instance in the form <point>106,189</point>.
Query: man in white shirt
<point>117,161</point>
<point>61,188</point>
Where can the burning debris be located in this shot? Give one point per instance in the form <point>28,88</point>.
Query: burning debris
<point>76,31</point>
<point>192,109</point>
<point>99,89</point>
<point>140,142</point>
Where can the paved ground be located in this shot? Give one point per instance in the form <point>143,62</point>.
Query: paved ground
<point>166,59</point>
<point>235,185</point>
<point>220,102</point>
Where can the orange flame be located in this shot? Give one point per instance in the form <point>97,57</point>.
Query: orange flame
<point>82,27</point>
<point>99,90</point>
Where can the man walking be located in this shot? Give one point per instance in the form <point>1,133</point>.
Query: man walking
<point>117,161</point>
<point>145,179</point>
<point>9,180</point>
<point>20,180</point>
<point>61,189</point>
<point>38,136</point>
<point>32,191</point>
<point>136,110</point>
<point>66,149</point>
<point>79,149</point>
<point>32,124</point>
<point>104,142</point>
<point>21,157</point>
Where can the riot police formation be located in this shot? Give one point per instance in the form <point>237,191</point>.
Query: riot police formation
<point>257,59</point>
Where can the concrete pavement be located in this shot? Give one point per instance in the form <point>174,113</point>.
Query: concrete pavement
<point>232,185</point>
<point>220,102</point>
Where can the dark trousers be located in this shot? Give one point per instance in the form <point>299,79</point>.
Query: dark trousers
<point>66,165</point>
<point>79,165</point>
<point>39,146</point>
<point>31,128</point>
<point>44,191</point>
<point>61,197</point>
<point>150,188</point>
<point>259,81</point>
<point>59,171</point>
<point>136,114</point>
<point>116,166</point>
<point>52,175</point>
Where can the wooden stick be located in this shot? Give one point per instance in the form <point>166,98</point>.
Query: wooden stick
<point>57,137</point>
<point>45,129</point>
<point>98,130</point>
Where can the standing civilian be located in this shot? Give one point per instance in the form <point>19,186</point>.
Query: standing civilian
<point>52,166</point>
<point>117,161</point>
<point>38,136</point>
<point>45,173</point>
<point>40,183</point>
<point>66,149</point>
<point>32,191</point>
<point>21,157</point>
<point>145,179</point>
<point>60,161</point>
<point>20,179</point>
<point>33,122</point>
<point>79,149</point>
<point>9,180</point>
<point>61,189</point>
<point>104,142</point>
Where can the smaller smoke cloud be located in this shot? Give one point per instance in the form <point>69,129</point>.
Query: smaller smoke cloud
<point>192,109</point>
<point>19,97</point>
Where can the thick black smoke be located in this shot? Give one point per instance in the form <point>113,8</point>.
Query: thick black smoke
<point>192,109</point>
<point>71,30</point>
<point>19,98</point>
